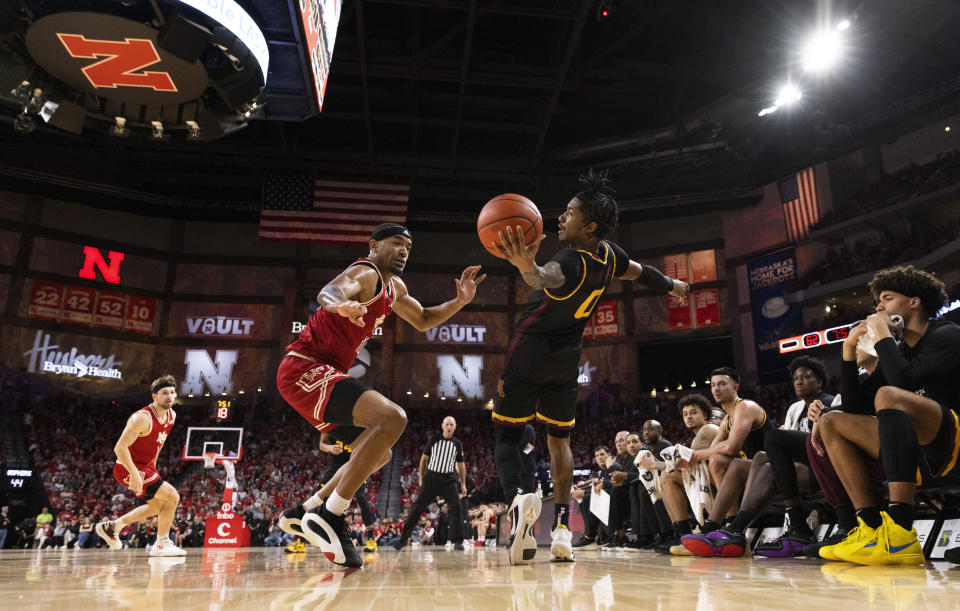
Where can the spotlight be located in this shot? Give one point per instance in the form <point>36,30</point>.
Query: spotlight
<point>946,129</point>
<point>822,51</point>
<point>119,128</point>
<point>787,95</point>
<point>194,133</point>
<point>843,25</point>
<point>156,129</point>
<point>24,123</point>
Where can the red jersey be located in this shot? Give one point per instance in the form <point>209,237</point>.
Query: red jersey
<point>144,450</point>
<point>333,339</point>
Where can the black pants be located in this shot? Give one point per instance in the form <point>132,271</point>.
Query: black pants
<point>366,512</point>
<point>784,448</point>
<point>592,526</point>
<point>619,506</point>
<point>445,486</point>
<point>648,518</point>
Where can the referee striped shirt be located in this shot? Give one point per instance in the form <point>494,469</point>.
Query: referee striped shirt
<point>444,454</point>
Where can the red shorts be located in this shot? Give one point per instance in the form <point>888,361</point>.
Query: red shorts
<point>148,473</point>
<point>308,386</point>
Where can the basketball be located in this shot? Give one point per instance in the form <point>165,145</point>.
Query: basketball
<point>506,210</point>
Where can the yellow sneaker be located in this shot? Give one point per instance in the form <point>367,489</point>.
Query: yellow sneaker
<point>679,550</point>
<point>855,539</point>
<point>297,547</point>
<point>891,544</point>
<point>370,547</point>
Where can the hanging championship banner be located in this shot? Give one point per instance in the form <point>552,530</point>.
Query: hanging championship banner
<point>605,320</point>
<point>140,312</point>
<point>707,304</point>
<point>678,313</point>
<point>703,265</point>
<point>110,310</point>
<point>78,305</point>
<point>46,300</point>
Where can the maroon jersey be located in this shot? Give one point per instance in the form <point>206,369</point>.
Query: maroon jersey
<point>333,339</point>
<point>144,450</point>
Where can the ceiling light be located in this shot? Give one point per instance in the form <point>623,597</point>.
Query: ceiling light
<point>156,129</point>
<point>788,94</point>
<point>822,51</point>
<point>843,25</point>
<point>193,131</point>
<point>119,128</point>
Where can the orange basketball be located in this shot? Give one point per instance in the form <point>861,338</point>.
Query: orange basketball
<point>510,210</point>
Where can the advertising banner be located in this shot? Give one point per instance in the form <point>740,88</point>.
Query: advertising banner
<point>769,278</point>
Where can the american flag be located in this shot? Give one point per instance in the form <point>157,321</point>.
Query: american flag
<point>801,206</point>
<point>303,208</point>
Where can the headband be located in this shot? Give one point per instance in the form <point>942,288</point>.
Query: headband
<point>385,231</point>
<point>160,386</point>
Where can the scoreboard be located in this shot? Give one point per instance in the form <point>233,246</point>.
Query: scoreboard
<point>815,339</point>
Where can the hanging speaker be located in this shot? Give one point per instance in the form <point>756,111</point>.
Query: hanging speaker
<point>183,38</point>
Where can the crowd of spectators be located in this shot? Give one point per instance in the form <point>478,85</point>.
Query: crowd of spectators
<point>900,185</point>
<point>71,440</point>
<point>881,250</point>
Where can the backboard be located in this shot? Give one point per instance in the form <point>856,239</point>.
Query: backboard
<point>227,442</point>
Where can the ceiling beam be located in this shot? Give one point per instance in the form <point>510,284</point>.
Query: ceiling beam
<point>571,49</point>
<point>361,36</point>
<point>486,7</point>
<point>464,71</point>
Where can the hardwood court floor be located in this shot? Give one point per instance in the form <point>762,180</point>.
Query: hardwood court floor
<point>427,578</point>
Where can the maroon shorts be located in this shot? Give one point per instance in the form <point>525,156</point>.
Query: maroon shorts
<point>321,393</point>
<point>148,473</point>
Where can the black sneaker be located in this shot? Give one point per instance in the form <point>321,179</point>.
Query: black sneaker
<point>952,555</point>
<point>813,550</point>
<point>458,547</point>
<point>664,546</point>
<point>329,533</point>
<point>615,542</point>
<point>290,520</point>
<point>399,544</point>
<point>586,544</point>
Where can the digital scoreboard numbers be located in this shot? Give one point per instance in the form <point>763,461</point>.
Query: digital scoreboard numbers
<point>222,409</point>
<point>815,339</point>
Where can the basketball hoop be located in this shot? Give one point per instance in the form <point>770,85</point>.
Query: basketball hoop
<point>209,460</point>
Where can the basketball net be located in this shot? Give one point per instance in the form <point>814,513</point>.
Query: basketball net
<point>209,460</point>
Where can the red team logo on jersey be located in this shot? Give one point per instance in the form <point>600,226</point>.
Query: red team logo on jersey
<point>122,62</point>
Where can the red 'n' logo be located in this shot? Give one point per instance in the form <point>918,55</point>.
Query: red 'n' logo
<point>121,64</point>
<point>92,257</point>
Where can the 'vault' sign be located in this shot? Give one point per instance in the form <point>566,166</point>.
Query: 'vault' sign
<point>114,58</point>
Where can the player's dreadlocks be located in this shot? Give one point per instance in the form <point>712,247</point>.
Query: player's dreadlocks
<point>597,202</point>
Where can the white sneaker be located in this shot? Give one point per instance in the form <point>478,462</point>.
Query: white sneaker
<point>561,549</point>
<point>166,547</point>
<point>108,533</point>
<point>448,546</point>
<point>524,513</point>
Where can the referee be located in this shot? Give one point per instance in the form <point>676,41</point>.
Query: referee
<point>441,469</point>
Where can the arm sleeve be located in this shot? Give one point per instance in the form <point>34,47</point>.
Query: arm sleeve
<point>651,277</point>
<point>622,261</point>
<point>939,355</point>
<point>858,391</point>
<point>571,264</point>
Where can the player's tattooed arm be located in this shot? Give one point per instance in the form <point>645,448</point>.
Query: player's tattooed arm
<point>521,255</point>
<point>549,276</point>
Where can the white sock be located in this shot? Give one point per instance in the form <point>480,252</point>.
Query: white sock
<point>313,502</point>
<point>336,504</point>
